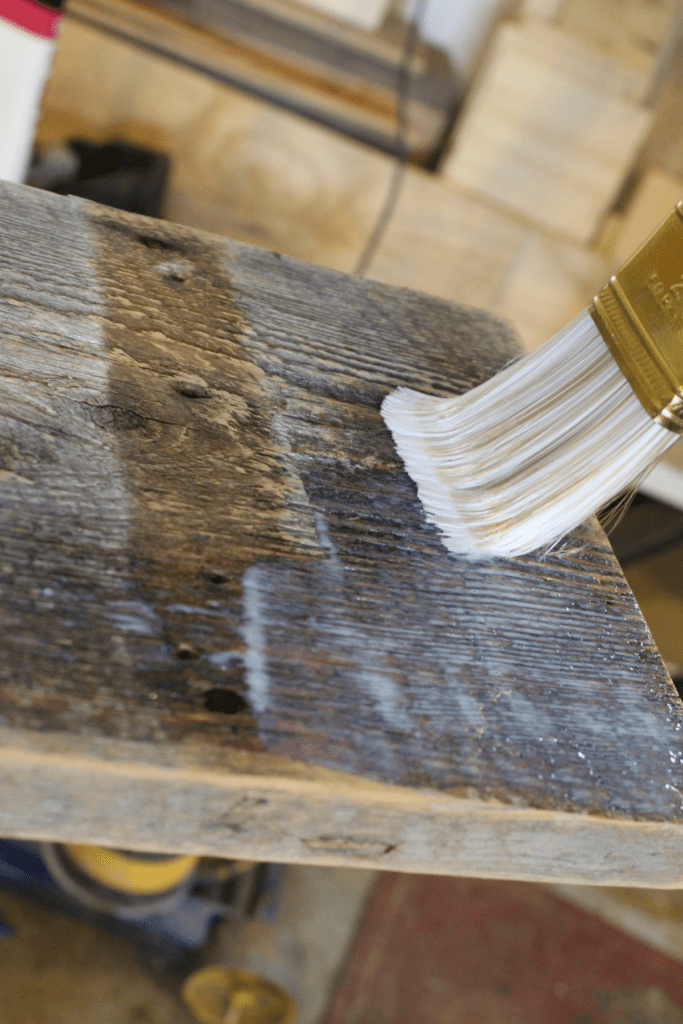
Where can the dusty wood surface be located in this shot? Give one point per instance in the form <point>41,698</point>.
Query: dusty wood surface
<point>201,509</point>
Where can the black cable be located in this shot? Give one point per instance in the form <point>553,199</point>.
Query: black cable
<point>403,81</point>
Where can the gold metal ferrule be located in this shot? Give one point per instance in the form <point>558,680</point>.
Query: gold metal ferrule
<point>640,316</point>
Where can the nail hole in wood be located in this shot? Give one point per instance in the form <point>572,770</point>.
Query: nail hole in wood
<point>186,652</point>
<point>157,243</point>
<point>175,271</point>
<point>215,576</point>
<point>227,702</point>
<point>191,388</point>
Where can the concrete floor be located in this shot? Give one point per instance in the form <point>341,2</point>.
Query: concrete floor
<point>304,949</point>
<point>56,970</point>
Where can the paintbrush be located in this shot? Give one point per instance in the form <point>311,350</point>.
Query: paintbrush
<point>515,464</point>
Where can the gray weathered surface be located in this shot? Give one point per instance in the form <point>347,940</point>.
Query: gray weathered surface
<point>198,496</point>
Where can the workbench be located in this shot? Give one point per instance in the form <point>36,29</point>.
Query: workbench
<point>227,627</point>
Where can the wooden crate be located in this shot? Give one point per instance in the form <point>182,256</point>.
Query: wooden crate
<point>546,138</point>
<point>621,26</point>
<point>624,27</point>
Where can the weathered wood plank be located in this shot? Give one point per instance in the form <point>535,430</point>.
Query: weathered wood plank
<point>226,802</point>
<point>200,507</point>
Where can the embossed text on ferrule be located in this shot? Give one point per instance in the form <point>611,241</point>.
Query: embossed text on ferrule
<point>670,300</point>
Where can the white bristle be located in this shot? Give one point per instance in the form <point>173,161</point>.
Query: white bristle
<point>519,461</point>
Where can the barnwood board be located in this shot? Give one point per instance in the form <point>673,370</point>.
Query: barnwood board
<point>218,801</point>
<point>198,493</point>
<point>542,140</point>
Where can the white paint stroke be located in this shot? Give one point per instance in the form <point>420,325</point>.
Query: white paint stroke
<point>386,696</point>
<point>326,542</point>
<point>254,636</point>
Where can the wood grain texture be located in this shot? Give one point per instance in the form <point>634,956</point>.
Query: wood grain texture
<point>198,497</point>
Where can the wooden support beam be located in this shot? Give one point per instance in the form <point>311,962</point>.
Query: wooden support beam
<point>242,168</point>
<point>295,59</point>
<point>226,626</point>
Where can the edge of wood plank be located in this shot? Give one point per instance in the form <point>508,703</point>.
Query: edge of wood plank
<point>253,806</point>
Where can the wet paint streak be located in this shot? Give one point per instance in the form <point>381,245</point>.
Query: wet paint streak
<point>254,635</point>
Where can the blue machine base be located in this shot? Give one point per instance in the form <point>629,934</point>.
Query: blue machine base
<point>166,935</point>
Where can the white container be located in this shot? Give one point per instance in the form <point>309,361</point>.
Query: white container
<point>27,42</point>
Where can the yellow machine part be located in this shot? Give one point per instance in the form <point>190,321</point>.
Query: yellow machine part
<point>219,995</point>
<point>130,873</point>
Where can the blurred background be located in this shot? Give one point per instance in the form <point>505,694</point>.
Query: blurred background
<point>506,155</point>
